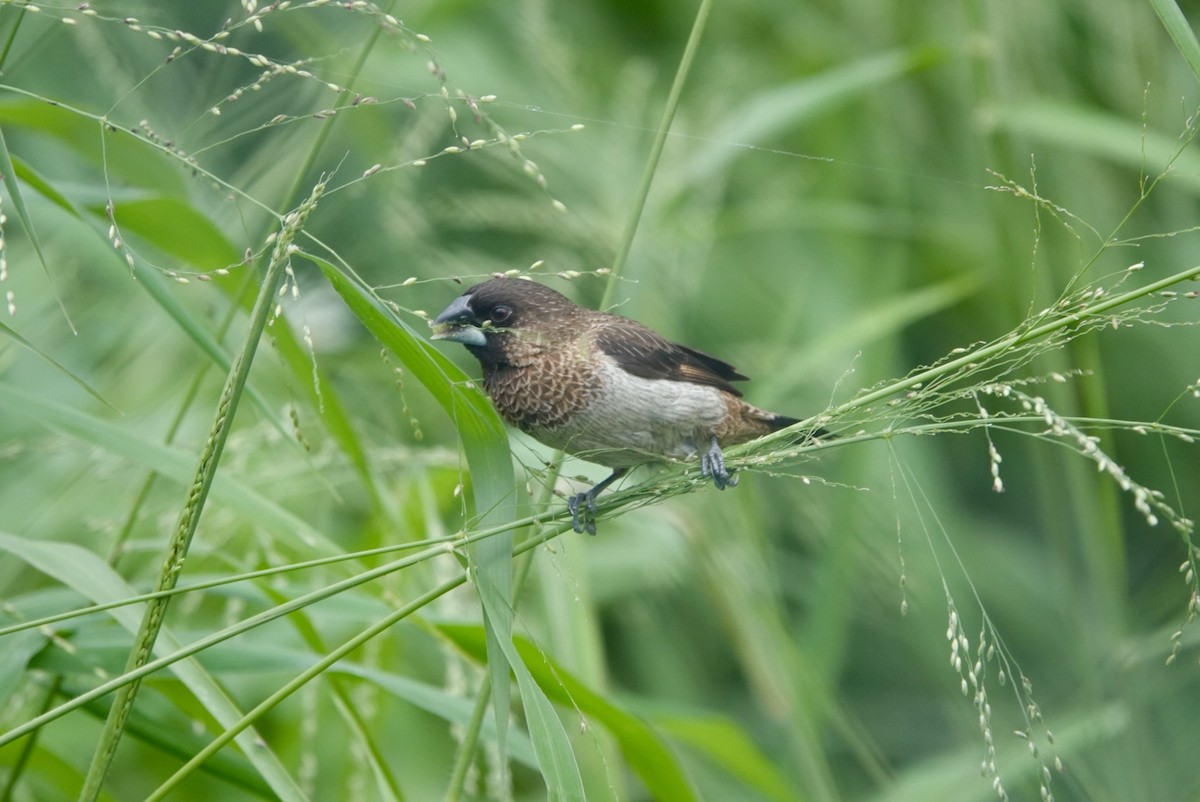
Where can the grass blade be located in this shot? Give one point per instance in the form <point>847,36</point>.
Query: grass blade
<point>1181,33</point>
<point>8,175</point>
<point>165,460</point>
<point>89,575</point>
<point>770,113</point>
<point>644,748</point>
<point>189,518</point>
<point>55,363</point>
<point>485,444</point>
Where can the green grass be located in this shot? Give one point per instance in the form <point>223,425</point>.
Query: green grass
<point>960,236</point>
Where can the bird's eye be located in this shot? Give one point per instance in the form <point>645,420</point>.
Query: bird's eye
<point>501,314</point>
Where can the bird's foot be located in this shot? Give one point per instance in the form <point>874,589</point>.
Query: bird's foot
<point>583,505</point>
<point>583,511</point>
<point>712,463</point>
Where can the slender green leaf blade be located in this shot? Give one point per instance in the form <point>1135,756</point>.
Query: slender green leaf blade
<point>170,462</point>
<point>1181,33</point>
<point>177,228</point>
<point>769,113</point>
<point>726,745</point>
<point>157,289</point>
<point>8,176</point>
<point>644,748</point>
<point>486,446</point>
<point>1082,129</point>
<point>43,187</point>
<point>19,649</point>
<point>80,569</point>
<point>56,364</point>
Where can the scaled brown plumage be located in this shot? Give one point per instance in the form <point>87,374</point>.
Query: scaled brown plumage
<point>600,386</point>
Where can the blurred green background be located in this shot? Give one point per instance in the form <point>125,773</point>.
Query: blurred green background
<point>828,213</point>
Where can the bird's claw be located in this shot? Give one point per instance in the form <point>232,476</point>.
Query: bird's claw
<point>712,464</point>
<point>583,505</point>
<point>583,512</point>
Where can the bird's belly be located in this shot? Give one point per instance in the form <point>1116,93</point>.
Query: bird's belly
<point>629,420</point>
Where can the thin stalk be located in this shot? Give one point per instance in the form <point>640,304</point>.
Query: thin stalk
<point>328,661</point>
<point>300,680</point>
<point>206,470</point>
<point>466,751</point>
<point>17,770</point>
<point>278,612</point>
<point>189,518</point>
<point>470,740</point>
<point>982,354</point>
<point>189,397</point>
<point>12,37</point>
<point>656,149</point>
<point>261,573</point>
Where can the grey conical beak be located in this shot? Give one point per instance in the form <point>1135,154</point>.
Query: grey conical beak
<point>458,323</point>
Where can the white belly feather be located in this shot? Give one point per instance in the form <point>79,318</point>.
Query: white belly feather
<point>630,420</point>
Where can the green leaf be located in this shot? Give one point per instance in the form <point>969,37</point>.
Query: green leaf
<point>170,462</point>
<point>726,745</point>
<point>1181,33</point>
<point>126,159</point>
<point>1082,129</point>
<point>177,228</point>
<point>772,112</point>
<point>55,363</point>
<point>158,221</point>
<point>486,446</point>
<point>90,576</point>
<point>19,649</point>
<point>484,438</point>
<point>643,747</point>
<point>8,176</point>
<point>550,744</point>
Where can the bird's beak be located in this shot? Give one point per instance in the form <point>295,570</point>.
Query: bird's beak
<point>457,323</point>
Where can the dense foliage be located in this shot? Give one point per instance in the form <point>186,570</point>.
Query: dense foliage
<point>962,234</point>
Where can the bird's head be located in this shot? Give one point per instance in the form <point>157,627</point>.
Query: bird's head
<point>491,318</point>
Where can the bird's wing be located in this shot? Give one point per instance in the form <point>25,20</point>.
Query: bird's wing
<point>645,353</point>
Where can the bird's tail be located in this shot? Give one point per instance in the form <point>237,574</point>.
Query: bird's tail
<point>746,422</point>
<point>778,422</point>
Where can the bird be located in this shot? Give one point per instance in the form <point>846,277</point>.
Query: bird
<point>601,386</point>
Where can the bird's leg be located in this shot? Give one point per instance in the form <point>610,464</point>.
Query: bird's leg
<point>712,463</point>
<point>583,505</point>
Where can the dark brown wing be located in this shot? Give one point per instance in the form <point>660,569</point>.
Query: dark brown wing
<point>647,354</point>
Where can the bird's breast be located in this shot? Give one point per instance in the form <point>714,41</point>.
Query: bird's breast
<point>543,393</point>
